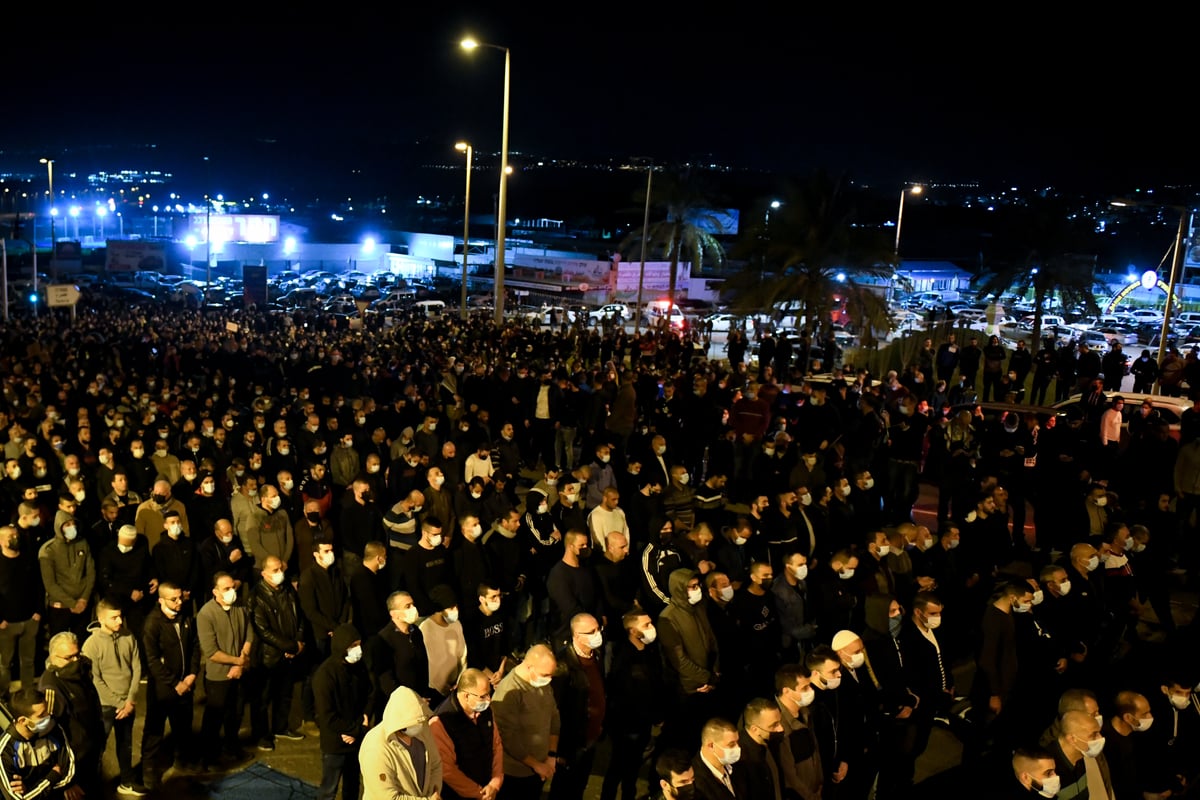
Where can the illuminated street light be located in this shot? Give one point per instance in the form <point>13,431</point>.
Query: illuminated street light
<point>914,190</point>
<point>464,147</point>
<point>1176,263</point>
<point>502,203</point>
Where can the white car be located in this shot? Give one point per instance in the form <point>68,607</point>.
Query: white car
<point>544,314</point>
<point>1169,409</point>
<point>725,322</point>
<point>610,311</point>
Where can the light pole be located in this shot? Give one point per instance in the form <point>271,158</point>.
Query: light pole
<point>1176,263</point>
<point>915,190</point>
<point>464,147</point>
<point>49,162</point>
<point>502,202</point>
<point>637,312</point>
<point>101,212</point>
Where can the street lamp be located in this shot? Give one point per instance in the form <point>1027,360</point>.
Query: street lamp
<point>101,212</point>
<point>915,190</point>
<point>49,162</point>
<point>1176,263</point>
<point>502,202</point>
<point>464,147</point>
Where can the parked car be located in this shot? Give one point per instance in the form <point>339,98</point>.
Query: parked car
<point>610,311</point>
<point>1169,409</point>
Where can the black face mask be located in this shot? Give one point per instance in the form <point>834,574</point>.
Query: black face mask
<point>687,792</point>
<point>313,519</point>
<point>161,499</point>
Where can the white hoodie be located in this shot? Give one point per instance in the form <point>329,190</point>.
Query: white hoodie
<point>387,767</point>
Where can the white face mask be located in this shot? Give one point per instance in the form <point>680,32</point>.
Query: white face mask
<point>435,540</point>
<point>807,695</point>
<point>1181,701</point>
<point>806,499</point>
<point>225,539</point>
<point>1021,608</point>
<point>1102,501</point>
<point>492,605</point>
<point>739,540</point>
<point>69,532</point>
<point>726,594</point>
<point>800,572</point>
<point>731,756</point>
<point>846,574</point>
<point>125,548</point>
<point>273,503</point>
<point>542,508</point>
<point>288,484</point>
<point>845,490</point>
<point>869,483</point>
<point>452,615</point>
<point>1092,748</point>
<point>1038,597</point>
<point>1064,588</point>
<point>354,654</point>
<point>174,530</point>
<point>933,622</point>
<point>833,683</point>
<point>649,635</point>
<point>694,595</point>
<point>410,615</point>
<point>276,578</point>
<point>596,640</point>
<point>229,596</point>
<point>1143,725</point>
<point>326,559</point>
<point>1115,561</point>
<point>1092,563</point>
<point>885,549</point>
<point>208,488</point>
<point>79,496</point>
<point>857,660</point>
<point>1050,786</point>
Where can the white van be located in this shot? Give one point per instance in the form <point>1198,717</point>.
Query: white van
<point>433,309</point>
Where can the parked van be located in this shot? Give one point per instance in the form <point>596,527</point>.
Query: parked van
<point>433,309</point>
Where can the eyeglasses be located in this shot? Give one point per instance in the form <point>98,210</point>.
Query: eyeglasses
<point>477,696</point>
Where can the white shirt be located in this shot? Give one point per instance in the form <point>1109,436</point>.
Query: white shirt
<point>602,522</point>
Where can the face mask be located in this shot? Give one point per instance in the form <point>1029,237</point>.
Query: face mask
<point>354,654</point>
<point>326,559</point>
<point>538,683</point>
<point>274,502</point>
<point>869,483</point>
<point>41,727</point>
<point>694,595</point>
<point>288,484</point>
<point>410,615</point>
<point>208,488</point>
<point>1143,725</point>
<point>649,635</point>
<point>1102,501</point>
<point>225,539</point>
<point>438,481</point>
<point>174,530</point>
<point>800,572</point>
<point>69,533</point>
<point>846,574</point>
<point>229,596</point>
<point>1021,608</point>
<point>857,660</point>
<point>894,624</point>
<point>845,490</point>
<point>806,500</point>
<point>726,594</point>
<point>604,459</point>
<point>833,683</point>
<point>1064,588</point>
<point>1139,547</point>
<point>452,615</point>
<point>596,640</point>
<point>1093,747</point>
<point>435,540</point>
<point>492,605</point>
<point>283,451</point>
<point>807,695</point>
<point>740,540</point>
<point>1115,562</point>
<point>933,622</point>
<point>1092,563</point>
<point>542,508</point>
<point>731,756</point>
<point>138,452</point>
<point>1181,701</point>
<point>972,516</point>
<point>885,549</point>
<point>1048,787</point>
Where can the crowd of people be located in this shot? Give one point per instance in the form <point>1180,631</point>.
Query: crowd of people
<point>482,556</point>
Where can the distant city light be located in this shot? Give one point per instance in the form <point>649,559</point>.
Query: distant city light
<point>1149,279</point>
<point>191,241</point>
<point>289,245</point>
<point>266,196</point>
<point>369,245</point>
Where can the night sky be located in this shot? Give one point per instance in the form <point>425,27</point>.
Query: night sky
<point>959,97</point>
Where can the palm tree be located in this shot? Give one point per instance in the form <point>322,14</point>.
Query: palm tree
<point>690,228</point>
<point>815,252</point>
<point>1046,249</point>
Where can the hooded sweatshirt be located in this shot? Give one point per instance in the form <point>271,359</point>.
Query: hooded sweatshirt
<point>393,770</point>
<point>116,664</point>
<point>342,694</point>
<point>688,645</point>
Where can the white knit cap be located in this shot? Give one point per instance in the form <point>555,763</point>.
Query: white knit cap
<point>844,639</point>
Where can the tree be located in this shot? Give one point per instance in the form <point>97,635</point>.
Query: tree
<point>1045,248</point>
<point>815,251</point>
<point>690,228</point>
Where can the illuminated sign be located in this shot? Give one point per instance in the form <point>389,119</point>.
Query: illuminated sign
<point>238,228</point>
<point>1138,284</point>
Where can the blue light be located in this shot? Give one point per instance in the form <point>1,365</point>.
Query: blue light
<point>841,277</point>
<point>33,298</point>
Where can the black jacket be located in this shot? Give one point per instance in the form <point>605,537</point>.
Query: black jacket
<point>177,561</point>
<point>324,599</point>
<point>72,698</point>
<point>278,624</point>
<point>571,691</point>
<point>342,695</point>
<point>170,656</point>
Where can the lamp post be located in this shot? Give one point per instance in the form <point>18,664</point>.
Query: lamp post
<point>915,190</point>
<point>637,311</point>
<point>502,202</point>
<point>49,162</point>
<point>101,212</point>
<point>1176,264</point>
<point>464,147</point>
